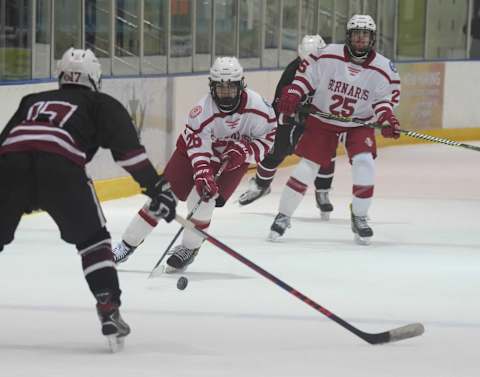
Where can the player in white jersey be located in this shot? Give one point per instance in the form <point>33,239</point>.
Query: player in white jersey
<point>350,80</point>
<point>231,123</point>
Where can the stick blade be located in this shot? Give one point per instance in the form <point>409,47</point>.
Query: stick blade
<point>157,271</point>
<point>405,332</point>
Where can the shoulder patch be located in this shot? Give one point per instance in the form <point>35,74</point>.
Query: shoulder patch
<point>195,111</point>
<point>392,66</point>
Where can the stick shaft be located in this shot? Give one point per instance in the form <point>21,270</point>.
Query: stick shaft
<point>413,134</point>
<point>189,216</point>
<point>384,337</point>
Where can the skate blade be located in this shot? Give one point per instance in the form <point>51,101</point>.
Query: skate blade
<point>246,201</point>
<point>172,270</point>
<point>324,216</point>
<point>364,241</point>
<point>115,343</point>
<point>273,236</point>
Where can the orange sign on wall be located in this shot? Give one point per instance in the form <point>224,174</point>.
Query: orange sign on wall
<point>421,102</point>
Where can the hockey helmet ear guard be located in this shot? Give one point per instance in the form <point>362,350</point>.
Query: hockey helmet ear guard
<point>360,26</point>
<point>226,83</point>
<point>80,67</point>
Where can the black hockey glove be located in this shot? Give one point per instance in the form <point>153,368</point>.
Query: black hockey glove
<point>163,202</point>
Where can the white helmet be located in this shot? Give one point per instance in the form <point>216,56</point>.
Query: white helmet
<point>80,67</point>
<point>226,83</point>
<point>311,44</point>
<point>365,23</point>
<point>226,68</point>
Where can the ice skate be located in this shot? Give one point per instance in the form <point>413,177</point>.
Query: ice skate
<point>122,251</point>
<point>179,260</point>
<point>253,193</point>
<point>362,231</point>
<point>323,204</point>
<point>280,224</point>
<point>114,328</point>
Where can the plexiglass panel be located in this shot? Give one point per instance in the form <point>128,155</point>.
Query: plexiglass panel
<point>127,39</point>
<point>309,17</point>
<point>68,26</point>
<point>225,21</point>
<point>270,51</point>
<point>386,28</point>
<point>203,41</point>
<point>446,29</point>
<point>155,36</point>
<point>15,40</point>
<point>98,14</point>
<point>290,35</point>
<point>249,33</point>
<point>181,36</point>
<point>326,20</point>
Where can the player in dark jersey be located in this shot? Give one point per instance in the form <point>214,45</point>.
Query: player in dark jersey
<point>43,152</point>
<point>286,138</point>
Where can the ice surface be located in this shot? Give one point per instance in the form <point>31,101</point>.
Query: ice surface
<point>423,266</point>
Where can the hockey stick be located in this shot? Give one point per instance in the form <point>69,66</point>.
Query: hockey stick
<point>400,333</point>
<point>413,134</point>
<point>191,213</point>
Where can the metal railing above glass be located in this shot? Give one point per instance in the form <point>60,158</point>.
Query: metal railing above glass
<point>145,37</point>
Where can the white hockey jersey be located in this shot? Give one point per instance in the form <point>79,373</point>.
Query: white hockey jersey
<point>346,89</point>
<point>208,130</point>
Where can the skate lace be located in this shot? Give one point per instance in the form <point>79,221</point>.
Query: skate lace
<point>121,251</point>
<point>184,254</point>
<point>282,221</point>
<point>361,222</point>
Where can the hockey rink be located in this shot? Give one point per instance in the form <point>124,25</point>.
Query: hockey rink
<point>423,266</point>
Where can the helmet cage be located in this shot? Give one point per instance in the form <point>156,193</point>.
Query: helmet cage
<point>363,52</point>
<point>360,23</point>
<point>226,94</point>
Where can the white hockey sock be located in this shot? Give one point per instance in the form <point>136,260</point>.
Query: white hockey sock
<point>302,176</point>
<point>140,226</point>
<point>363,177</point>
<point>201,218</point>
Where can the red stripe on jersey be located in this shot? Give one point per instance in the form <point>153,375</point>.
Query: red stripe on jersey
<point>364,65</point>
<point>152,221</point>
<point>297,186</point>
<point>28,130</point>
<point>363,192</point>
<point>266,147</point>
<point>305,82</point>
<point>42,146</point>
<point>382,102</point>
<point>383,73</point>
<point>257,153</point>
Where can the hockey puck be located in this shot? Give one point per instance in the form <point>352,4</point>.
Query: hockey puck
<point>182,283</point>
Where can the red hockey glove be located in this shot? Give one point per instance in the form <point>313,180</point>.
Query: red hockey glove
<point>392,127</point>
<point>236,154</point>
<point>205,182</point>
<point>289,100</point>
